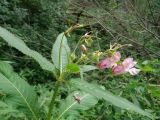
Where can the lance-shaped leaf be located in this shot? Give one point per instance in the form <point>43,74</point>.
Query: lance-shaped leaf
<point>18,93</point>
<point>17,43</point>
<point>86,68</point>
<point>71,106</point>
<point>60,52</point>
<point>100,93</point>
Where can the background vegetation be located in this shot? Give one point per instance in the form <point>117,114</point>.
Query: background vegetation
<point>136,22</point>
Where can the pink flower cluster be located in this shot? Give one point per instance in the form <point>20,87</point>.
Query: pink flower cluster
<point>110,61</point>
<point>126,66</point>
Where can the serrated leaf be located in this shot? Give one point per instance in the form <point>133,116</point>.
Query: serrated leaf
<point>17,43</point>
<point>100,93</point>
<point>71,107</point>
<point>18,93</point>
<point>60,52</point>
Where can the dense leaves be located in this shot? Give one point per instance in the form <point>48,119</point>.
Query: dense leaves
<point>38,23</point>
<point>18,93</point>
<point>8,112</point>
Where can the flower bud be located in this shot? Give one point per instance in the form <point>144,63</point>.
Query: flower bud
<point>83,56</point>
<point>83,49</point>
<point>73,56</point>
<point>97,54</point>
<point>87,35</point>
<point>88,39</point>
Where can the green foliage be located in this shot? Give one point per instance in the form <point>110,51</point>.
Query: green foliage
<point>18,93</point>
<point>106,95</point>
<point>155,91</point>
<point>9,12</point>
<point>38,22</point>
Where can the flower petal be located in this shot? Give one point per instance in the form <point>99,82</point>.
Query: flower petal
<point>104,64</point>
<point>117,56</point>
<point>134,71</point>
<point>128,63</point>
<point>119,69</point>
<point>110,62</point>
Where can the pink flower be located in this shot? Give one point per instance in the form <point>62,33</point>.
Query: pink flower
<point>126,66</point>
<point>110,62</point>
<point>119,69</point>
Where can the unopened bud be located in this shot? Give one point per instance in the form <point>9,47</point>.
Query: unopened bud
<point>83,49</point>
<point>87,35</point>
<point>88,41</point>
<point>83,56</point>
<point>88,38</point>
<point>73,56</point>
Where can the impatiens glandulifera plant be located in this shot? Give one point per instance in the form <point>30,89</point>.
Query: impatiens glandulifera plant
<point>21,97</point>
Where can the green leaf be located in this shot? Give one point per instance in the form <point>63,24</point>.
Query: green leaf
<point>87,68</point>
<point>72,68</point>
<point>18,93</point>
<point>71,107</point>
<point>100,93</point>
<point>60,52</point>
<point>21,46</point>
<point>147,68</point>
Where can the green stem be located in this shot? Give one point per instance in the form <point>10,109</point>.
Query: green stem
<point>79,41</point>
<point>53,101</point>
